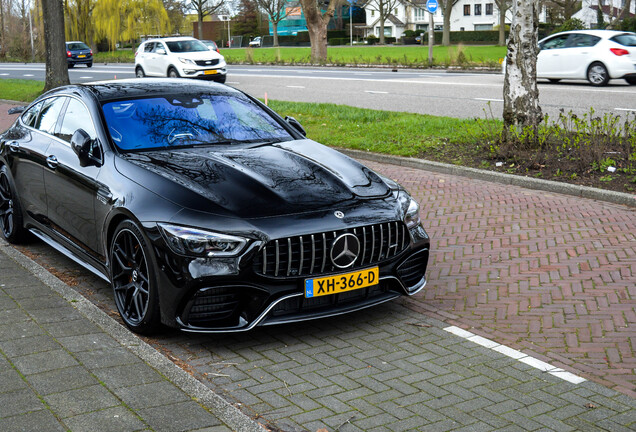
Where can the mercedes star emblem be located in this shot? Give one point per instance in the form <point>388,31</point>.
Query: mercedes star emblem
<point>345,250</point>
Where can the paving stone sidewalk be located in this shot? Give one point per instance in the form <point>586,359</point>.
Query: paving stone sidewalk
<point>59,371</point>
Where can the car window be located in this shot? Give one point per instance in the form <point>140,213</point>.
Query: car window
<point>76,46</point>
<point>49,114</point>
<point>626,39</point>
<point>186,46</point>
<point>30,115</point>
<point>149,46</point>
<point>76,117</point>
<point>179,121</point>
<point>555,43</point>
<point>158,45</point>
<point>579,40</point>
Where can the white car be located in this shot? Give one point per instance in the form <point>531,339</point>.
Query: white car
<point>179,57</point>
<point>594,55</point>
<point>256,42</point>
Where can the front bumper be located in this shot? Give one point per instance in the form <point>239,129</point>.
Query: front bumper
<point>203,73</point>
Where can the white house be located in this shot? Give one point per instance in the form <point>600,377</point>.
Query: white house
<point>611,9</point>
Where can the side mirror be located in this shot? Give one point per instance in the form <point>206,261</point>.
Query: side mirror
<point>160,51</point>
<point>17,110</point>
<point>82,145</point>
<point>296,125</point>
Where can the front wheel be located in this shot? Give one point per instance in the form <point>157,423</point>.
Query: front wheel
<point>133,278</point>
<point>221,79</point>
<point>597,74</point>
<point>10,210</point>
<point>631,80</point>
<point>172,73</point>
<point>139,72</point>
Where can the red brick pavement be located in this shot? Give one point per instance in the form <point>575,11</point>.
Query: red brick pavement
<point>552,275</point>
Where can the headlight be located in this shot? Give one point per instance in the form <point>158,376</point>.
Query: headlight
<point>200,243</point>
<point>411,210</point>
<point>186,61</point>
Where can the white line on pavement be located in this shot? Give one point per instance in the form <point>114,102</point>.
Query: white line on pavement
<point>28,75</point>
<point>376,92</point>
<point>489,100</point>
<point>517,355</point>
<point>625,109</point>
<point>86,77</point>
<point>298,87</point>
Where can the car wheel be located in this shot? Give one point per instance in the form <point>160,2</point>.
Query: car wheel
<point>631,80</point>
<point>10,210</point>
<point>597,74</point>
<point>71,65</point>
<point>132,275</point>
<point>139,72</point>
<point>172,73</point>
<point>554,80</point>
<point>89,65</point>
<point>221,79</point>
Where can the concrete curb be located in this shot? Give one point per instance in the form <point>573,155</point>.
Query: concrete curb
<point>495,177</point>
<point>218,406</point>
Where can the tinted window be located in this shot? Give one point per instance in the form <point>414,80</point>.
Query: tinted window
<point>626,39</point>
<point>76,117</point>
<point>179,121</point>
<point>186,46</point>
<point>29,116</point>
<point>158,45</point>
<point>149,46</point>
<point>582,40</point>
<point>49,114</point>
<point>555,42</point>
<point>73,46</point>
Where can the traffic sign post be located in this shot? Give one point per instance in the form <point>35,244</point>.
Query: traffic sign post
<point>431,6</point>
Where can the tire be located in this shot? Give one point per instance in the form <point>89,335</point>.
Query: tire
<point>133,279</point>
<point>173,73</point>
<point>11,222</point>
<point>631,80</point>
<point>221,79</point>
<point>89,65</point>
<point>71,65</point>
<point>139,72</point>
<point>597,74</point>
<point>554,80</point>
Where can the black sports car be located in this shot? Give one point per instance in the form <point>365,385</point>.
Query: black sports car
<point>203,208</point>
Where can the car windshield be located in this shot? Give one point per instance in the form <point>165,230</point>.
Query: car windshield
<point>77,46</point>
<point>627,39</point>
<point>190,45</point>
<point>187,121</point>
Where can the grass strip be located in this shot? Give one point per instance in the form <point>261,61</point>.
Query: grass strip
<point>20,90</point>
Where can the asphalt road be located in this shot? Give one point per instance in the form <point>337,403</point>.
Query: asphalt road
<point>462,95</point>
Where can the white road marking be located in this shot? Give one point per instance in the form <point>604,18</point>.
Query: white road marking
<point>4,74</point>
<point>517,355</point>
<point>86,77</point>
<point>625,109</point>
<point>232,82</point>
<point>376,92</point>
<point>298,87</point>
<point>28,75</point>
<point>489,100</point>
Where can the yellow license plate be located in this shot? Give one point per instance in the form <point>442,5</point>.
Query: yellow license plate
<point>81,56</point>
<point>210,72</point>
<point>341,283</point>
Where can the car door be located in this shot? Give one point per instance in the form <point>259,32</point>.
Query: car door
<point>549,60</point>
<point>145,57</point>
<point>160,59</point>
<point>578,54</point>
<point>71,188</point>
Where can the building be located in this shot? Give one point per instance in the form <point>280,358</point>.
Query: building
<point>611,9</point>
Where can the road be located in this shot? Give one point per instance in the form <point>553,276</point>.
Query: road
<point>461,95</point>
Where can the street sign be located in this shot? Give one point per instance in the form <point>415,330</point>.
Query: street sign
<point>432,5</point>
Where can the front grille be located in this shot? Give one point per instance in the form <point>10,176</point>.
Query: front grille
<point>310,254</point>
<point>213,305</point>
<point>412,271</point>
<point>207,62</point>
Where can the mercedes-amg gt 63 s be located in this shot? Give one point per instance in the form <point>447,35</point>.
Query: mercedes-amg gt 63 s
<point>203,208</point>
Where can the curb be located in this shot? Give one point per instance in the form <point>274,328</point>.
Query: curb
<point>495,177</point>
<point>214,403</point>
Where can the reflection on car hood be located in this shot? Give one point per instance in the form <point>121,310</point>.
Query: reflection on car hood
<point>200,55</point>
<point>261,181</point>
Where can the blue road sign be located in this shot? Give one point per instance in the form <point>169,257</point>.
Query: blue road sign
<point>432,6</point>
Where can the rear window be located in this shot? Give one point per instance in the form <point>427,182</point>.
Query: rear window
<point>77,46</point>
<point>626,39</point>
<point>189,121</point>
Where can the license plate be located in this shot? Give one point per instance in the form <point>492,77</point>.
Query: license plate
<point>341,283</point>
<point>210,72</point>
<point>81,56</point>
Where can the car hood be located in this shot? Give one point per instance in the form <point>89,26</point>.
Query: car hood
<point>200,55</point>
<point>258,181</point>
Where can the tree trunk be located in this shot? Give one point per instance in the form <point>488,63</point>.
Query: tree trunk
<point>275,30</point>
<point>521,94</point>
<point>200,25</point>
<point>317,28</point>
<point>3,46</point>
<point>381,35</point>
<point>502,27</point>
<point>55,49</point>
<point>447,20</point>
<point>318,40</point>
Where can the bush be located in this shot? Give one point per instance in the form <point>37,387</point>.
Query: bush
<point>485,37</point>
<point>372,39</point>
<point>338,41</point>
<point>628,24</point>
<point>337,34</point>
<point>571,24</point>
<point>410,34</point>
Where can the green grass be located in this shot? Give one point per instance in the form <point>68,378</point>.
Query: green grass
<point>410,55</point>
<point>20,90</point>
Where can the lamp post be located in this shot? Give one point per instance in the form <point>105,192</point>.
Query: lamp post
<point>351,21</point>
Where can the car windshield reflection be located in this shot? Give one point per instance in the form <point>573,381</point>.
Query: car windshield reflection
<point>177,121</point>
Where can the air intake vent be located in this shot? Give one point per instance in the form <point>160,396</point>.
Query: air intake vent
<point>412,271</point>
<point>213,304</point>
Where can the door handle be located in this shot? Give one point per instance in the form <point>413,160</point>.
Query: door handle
<point>14,146</point>
<point>52,162</point>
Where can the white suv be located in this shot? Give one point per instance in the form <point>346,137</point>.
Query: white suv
<point>179,57</point>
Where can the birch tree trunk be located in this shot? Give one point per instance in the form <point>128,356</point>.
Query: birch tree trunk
<point>55,49</point>
<point>521,94</point>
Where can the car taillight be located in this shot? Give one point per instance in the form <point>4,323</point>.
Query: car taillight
<point>619,51</point>
<point>68,53</point>
<point>91,52</point>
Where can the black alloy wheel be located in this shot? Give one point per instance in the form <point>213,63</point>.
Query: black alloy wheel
<point>133,280</point>
<point>10,211</point>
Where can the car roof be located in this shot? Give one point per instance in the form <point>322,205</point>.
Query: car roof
<point>142,88</point>
<point>171,39</point>
<point>595,32</point>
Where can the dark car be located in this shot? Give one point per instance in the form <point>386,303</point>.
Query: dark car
<point>203,208</point>
<point>211,45</point>
<point>78,53</point>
